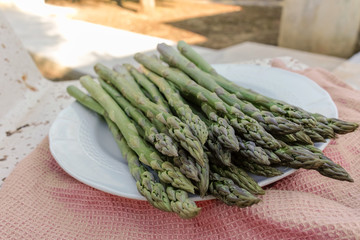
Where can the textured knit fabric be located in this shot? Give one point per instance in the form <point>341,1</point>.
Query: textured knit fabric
<point>40,201</point>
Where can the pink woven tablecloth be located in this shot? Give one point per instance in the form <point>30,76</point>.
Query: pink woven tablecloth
<point>40,201</point>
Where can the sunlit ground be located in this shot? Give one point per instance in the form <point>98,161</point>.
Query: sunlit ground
<point>52,40</point>
<point>207,24</point>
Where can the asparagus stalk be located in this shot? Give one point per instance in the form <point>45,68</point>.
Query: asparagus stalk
<point>239,176</point>
<point>177,129</point>
<point>222,139</point>
<point>298,137</point>
<point>147,155</point>
<point>183,111</point>
<point>248,128</point>
<point>253,153</point>
<point>153,91</point>
<point>175,200</point>
<point>203,184</point>
<point>273,158</point>
<point>326,131</point>
<point>278,125</point>
<point>338,126</point>
<point>162,142</point>
<point>85,100</point>
<point>181,204</point>
<point>171,199</point>
<point>255,168</point>
<point>291,112</point>
<point>221,129</point>
<point>213,143</point>
<point>187,165</point>
<point>298,157</point>
<point>146,184</point>
<point>221,154</point>
<point>228,192</point>
<point>329,168</point>
<point>186,85</point>
<point>314,136</point>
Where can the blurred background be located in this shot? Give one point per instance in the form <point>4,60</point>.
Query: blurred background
<point>329,27</point>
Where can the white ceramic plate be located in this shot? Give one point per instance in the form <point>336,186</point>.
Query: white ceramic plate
<point>83,146</point>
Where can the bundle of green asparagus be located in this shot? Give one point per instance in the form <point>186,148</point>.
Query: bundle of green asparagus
<point>184,128</point>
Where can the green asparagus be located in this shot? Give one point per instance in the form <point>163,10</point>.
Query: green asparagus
<point>177,129</point>
<point>183,111</point>
<point>255,168</point>
<point>228,192</point>
<point>221,129</point>
<point>153,91</point>
<point>239,176</point>
<point>221,154</point>
<point>291,112</point>
<point>248,129</point>
<point>147,155</point>
<point>175,200</point>
<point>203,184</point>
<point>146,184</point>
<point>271,123</point>
<point>339,126</point>
<point>187,165</point>
<point>181,204</point>
<point>162,142</point>
<point>329,168</point>
<point>253,153</point>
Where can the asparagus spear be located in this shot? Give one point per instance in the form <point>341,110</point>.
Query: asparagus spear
<point>186,85</point>
<point>228,192</point>
<point>278,125</point>
<point>253,153</point>
<point>175,200</point>
<point>162,142</point>
<point>317,133</point>
<point>298,137</point>
<point>223,137</point>
<point>248,128</point>
<point>273,158</point>
<point>329,168</point>
<point>221,129</point>
<point>213,143</point>
<point>153,91</point>
<point>291,112</point>
<point>314,136</point>
<point>221,154</point>
<point>177,129</point>
<point>187,165</point>
<point>239,176</point>
<point>339,126</point>
<point>147,155</point>
<point>171,199</point>
<point>86,100</point>
<point>181,204</point>
<point>203,184</point>
<point>146,184</point>
<point>255,168</point>
<point>183,111</point>
<point>298,157</point>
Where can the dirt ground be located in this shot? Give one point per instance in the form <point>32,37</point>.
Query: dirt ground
<point>210,25</point>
